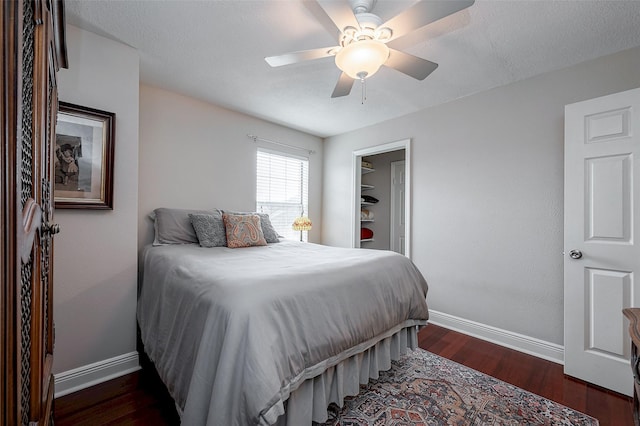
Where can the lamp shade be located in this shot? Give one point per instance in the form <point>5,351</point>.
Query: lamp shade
<point>362,59</point>
<point>302,223</point>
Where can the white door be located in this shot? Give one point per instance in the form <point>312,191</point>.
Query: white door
<point>397,206</point>
<point>601,236</point>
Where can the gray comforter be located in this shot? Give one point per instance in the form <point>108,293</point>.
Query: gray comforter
<point>232,332</point>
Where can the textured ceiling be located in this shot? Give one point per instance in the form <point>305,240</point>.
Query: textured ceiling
<point>214,51</point>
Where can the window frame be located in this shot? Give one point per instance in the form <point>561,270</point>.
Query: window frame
<point>283,226</point>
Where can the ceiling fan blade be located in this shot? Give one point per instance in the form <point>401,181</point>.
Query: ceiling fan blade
<point>302,55</point>
<point>343,88</point>
<point>318,12</point>
<point>340,13</point>
<point>410,65</point>
<point>423,13</point>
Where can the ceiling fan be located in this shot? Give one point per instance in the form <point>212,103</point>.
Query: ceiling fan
<point>362,38</point>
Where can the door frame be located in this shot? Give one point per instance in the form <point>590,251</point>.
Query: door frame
<point>356,179</point>
<point>393,200</point>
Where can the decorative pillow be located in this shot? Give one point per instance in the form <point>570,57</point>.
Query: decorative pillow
<point>173,226</point>
<point>209,229</point>
<point>243,230</point>
<point>270,233</point>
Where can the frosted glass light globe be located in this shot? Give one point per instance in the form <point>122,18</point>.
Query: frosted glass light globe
<point>362,59</point>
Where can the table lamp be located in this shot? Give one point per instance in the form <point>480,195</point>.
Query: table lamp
<point>302,223</point>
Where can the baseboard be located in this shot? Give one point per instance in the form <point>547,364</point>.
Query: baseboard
<point>89,375</point>
<point>529,345</point>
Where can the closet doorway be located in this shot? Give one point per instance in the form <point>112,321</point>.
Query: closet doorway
<point>377,205</point>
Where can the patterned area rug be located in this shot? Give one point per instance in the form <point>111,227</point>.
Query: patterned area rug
<point>425,389</point>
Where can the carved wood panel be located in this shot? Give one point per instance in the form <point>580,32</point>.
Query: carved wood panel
<point>31,57</point>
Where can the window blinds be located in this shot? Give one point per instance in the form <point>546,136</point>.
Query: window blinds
<point>282,189</point>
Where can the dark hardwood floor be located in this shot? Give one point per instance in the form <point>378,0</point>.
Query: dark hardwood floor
<point>534,374</point>
<point>141,399</point>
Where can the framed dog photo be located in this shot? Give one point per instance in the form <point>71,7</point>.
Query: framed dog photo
<point>83,158</point>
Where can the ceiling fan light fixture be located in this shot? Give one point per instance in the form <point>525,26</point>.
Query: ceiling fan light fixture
<point>364,57</point>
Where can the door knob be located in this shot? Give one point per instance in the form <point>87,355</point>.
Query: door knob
<point>50,228</point>
<point>575,254</point>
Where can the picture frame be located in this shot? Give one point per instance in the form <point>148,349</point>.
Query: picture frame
<point>83,158</point>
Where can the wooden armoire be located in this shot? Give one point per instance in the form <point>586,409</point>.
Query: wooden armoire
<point>33,50</point>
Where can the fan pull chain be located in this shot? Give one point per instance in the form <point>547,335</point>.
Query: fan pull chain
<point>364,90</point>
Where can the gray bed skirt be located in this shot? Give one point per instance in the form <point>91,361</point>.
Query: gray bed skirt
<point>308,403</point>
<point>310,400</point>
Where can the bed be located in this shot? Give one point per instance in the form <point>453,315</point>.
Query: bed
<point>274,334</point>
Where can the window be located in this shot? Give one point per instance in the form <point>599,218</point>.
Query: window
<point>282,190</point>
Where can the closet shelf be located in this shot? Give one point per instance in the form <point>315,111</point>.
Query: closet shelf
<point>366,187</point>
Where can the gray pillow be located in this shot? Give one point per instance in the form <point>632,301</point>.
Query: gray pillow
<point>173,226</point>
<point>270,233</point>
<point>209,229</point>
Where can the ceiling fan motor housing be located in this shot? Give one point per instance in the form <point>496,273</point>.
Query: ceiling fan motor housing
<point>369,30</point>
<point>362,6</point>
<point>368,20</point>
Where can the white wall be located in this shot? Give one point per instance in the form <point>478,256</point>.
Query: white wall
<point>197,155</point>
<point>487,182</point>
<point>95,259</point>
